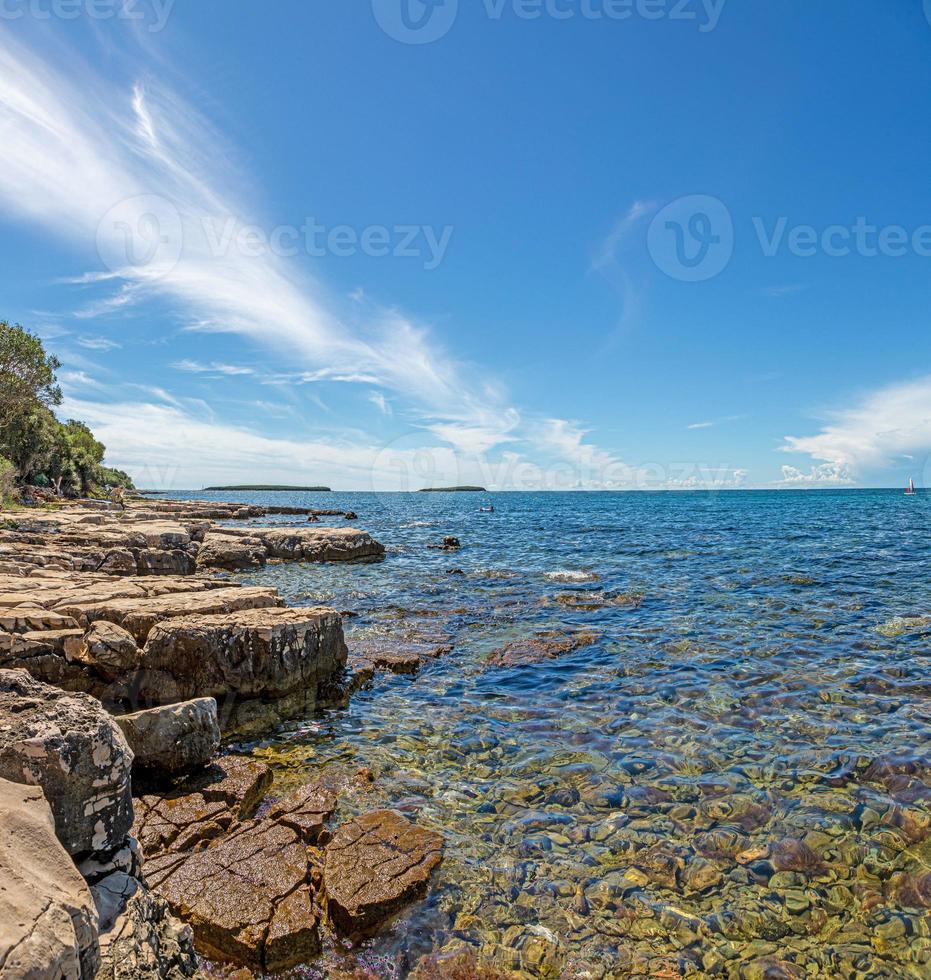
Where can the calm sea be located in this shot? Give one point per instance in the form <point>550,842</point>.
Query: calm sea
<point>677,733</point>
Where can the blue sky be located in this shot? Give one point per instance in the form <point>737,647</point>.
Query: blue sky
<point>606,244</point>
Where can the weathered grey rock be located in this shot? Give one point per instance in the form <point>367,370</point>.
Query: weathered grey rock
<point>320,544</point>
<point>230,552</point>
<point>374,865</point>
<point>70,746</point>
<point>173,739</point>
<point>110,650</point>
<point>262,654</point>
<point>145,942</point>
<point>48,923</point>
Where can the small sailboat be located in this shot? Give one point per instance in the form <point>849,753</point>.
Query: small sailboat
<point>911,491</point>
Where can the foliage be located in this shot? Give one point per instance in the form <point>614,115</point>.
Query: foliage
<point>40,450</point>
<point>27,373</point>
<point>115,478</point>
<point>7,481</point>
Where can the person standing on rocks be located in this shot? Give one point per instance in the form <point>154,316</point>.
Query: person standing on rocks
<point>116,496</point>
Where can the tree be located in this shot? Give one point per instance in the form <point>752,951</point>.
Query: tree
<point>30,439</point>
<point>86,453</point>
<point>27,373</point>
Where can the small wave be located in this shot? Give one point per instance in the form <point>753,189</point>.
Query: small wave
<point>568,576</point>
<point>422,524</point>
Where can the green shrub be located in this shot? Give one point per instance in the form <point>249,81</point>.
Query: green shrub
<point>7,481</point>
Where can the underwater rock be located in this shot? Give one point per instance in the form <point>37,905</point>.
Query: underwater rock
<point>544,646</point>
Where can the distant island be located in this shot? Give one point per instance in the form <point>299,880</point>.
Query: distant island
<point>275,489</point>
<point>453,490</point>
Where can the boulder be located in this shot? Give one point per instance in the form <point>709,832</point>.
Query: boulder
<point>110,650</point>
<point>173,739</point>
<point>266,654</point>
<point>70,746</point>
<point>48,923</point>
<point>230,552</point>
<point>321,544</point>
<point>375,865</point>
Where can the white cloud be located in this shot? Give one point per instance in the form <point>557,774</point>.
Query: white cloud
<point>825,475</point>
<point>380,402</point>
<point>116,168</point>
<point>97,343</point>
<point>701,425</point>
<point>883,425</point>
<point>214,367</point>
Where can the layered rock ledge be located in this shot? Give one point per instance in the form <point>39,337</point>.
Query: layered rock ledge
<point>122,662</point>
<point>121,605</point>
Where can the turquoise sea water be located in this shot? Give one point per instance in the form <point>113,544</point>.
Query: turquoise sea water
<point>727,771</point>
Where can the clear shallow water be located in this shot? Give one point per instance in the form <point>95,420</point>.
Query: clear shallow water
<point>729,777</point>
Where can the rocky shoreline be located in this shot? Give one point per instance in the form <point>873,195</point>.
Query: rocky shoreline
<point>132,842</point>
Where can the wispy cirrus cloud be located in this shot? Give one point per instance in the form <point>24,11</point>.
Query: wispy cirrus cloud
<point>123,169</point>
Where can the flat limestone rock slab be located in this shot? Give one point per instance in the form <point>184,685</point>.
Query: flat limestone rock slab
<point>138,616</point>
<point>320,544</point>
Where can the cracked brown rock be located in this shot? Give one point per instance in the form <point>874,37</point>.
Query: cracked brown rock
<point>247,897</point>
<point>374,865</point>
<point>48,923</point>
<point>306,812</point>
<point>70,746</point>
<point>204,808</point>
